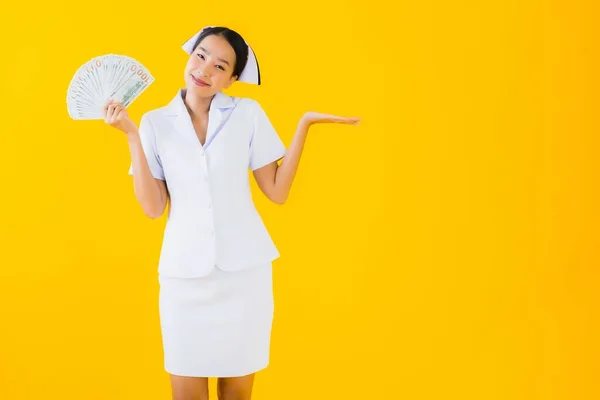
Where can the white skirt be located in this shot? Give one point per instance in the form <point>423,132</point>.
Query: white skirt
<point>219,325</point>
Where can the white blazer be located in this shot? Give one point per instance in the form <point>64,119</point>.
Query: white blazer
<point>212,222</point>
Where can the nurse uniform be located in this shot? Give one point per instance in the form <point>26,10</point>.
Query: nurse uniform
<point>216,298</point>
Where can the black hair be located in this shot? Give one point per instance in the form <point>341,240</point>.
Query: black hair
<point>236,41</point>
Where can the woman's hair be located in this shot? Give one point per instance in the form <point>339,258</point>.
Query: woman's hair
<point>235,40</point>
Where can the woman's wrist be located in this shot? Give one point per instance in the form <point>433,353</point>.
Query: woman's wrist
<point>132,135</point>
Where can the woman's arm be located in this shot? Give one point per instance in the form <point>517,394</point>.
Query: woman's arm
<point>150,192</point>
<point>274,179</point>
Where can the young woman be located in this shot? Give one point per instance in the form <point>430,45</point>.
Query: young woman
<point>216,299</point>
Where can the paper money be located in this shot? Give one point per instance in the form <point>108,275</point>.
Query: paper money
<point>109,76</point>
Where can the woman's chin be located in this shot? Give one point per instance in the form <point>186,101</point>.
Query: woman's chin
<point>202,90</point>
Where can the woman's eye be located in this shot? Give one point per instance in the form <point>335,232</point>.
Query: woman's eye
<point>218,66</point>
<point>200,55</point>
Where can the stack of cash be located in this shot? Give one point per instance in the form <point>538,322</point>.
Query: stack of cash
<point>109,76</point>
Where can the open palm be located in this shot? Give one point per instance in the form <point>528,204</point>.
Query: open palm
<point>312,117</point>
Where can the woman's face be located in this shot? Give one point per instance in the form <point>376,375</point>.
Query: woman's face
<point>210,67</point>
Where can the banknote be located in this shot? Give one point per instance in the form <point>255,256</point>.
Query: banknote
<point>109,76</point>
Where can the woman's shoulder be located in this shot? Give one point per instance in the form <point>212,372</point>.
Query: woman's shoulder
<point>153,120</point>
<point>250,106</point>
<point>245,102</point>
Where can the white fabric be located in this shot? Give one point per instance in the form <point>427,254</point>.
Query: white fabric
<point>148,140</point>
<point>213,222</point>
<point>217,326</point>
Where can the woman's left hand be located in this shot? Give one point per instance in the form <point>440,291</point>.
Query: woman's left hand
<point>312,117</point>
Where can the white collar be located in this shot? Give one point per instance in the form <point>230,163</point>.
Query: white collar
<point>219,101</point>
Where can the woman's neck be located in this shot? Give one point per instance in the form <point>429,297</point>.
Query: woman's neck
<point>196,105</point>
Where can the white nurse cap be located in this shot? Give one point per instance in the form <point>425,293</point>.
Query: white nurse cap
<point>250,74</point>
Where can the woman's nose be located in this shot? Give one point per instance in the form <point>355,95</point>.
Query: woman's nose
<point>201,71</point>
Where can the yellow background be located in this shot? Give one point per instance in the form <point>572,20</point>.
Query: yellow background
<point>446,248</point>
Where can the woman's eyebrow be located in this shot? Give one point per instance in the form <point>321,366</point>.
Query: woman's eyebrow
<point>207,52</point>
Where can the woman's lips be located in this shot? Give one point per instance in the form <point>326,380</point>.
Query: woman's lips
<point>199,82</point>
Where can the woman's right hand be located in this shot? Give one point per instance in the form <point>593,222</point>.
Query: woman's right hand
<point>116,116</point>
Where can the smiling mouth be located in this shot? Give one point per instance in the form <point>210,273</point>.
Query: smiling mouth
<point>199,82</point>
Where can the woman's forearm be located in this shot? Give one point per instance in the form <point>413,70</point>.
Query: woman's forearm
<point>286,172</point>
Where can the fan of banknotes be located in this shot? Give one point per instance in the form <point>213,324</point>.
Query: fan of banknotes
<point>109,76</point>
